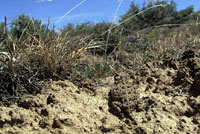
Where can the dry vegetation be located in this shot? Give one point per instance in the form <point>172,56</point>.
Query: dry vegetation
<point>150,66</point>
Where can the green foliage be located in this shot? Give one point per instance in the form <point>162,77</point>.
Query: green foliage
<point>84,28</point>
<point>100,31</point>
<point>97,70</point>
<point>18,25</point>
<point>152,17</point>
<point>79,29</point>
<point>195,29</point>
<point>67,30</point>
<point>185,14</point>
<point>132,24</point>
<point>2,32</point>
<point>2,36</point>
<point>97,31</point>
<point>167,14</point>
<point>26,28</point>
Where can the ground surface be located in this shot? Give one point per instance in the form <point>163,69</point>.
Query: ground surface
<point>163,97</point>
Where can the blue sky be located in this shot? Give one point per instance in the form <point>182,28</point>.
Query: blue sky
<point>90,10</point>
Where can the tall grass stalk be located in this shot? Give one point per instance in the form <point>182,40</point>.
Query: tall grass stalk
<point>82,50</point>
<point>128,19</point>
<point>132,16</point>
<point>113,21</point>
<point>79,4</point>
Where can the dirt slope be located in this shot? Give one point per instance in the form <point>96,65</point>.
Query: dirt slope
<point>162,98</point>
<point>61,108</point>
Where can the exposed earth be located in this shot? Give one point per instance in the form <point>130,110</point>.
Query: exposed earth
<point>162,97</point>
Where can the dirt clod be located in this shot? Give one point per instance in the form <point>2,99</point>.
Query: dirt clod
<point>160,97</point>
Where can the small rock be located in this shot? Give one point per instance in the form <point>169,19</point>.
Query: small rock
<point>105,129</point>
<point>56,123</point>
<point>140,130</point>
<point>43,123</point>
<point>196,120</point>
<point>51,99</point>
<point>44,112</point>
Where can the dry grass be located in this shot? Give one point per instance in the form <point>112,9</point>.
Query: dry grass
<point>27,64</point>
<point>177,42</point>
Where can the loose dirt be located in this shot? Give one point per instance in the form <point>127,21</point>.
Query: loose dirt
<point>163,97</point>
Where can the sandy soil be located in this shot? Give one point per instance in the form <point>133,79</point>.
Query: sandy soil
<point>162,98</point>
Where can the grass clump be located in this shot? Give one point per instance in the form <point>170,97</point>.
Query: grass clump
<point>26,65</point>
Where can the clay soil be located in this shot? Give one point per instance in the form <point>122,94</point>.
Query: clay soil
<point>161,97</point>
